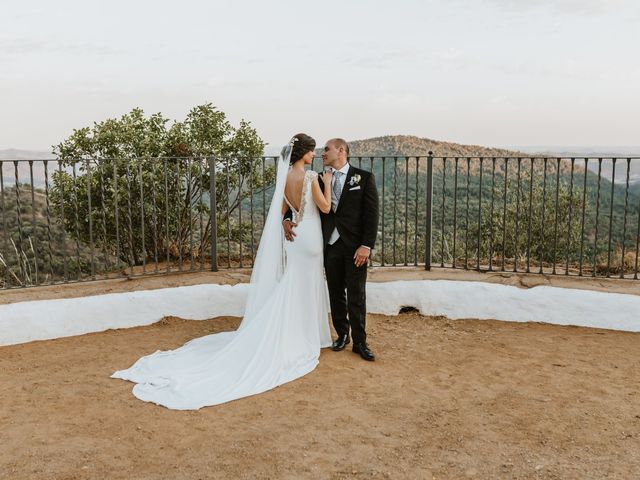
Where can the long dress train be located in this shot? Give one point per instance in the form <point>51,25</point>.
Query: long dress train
<point>278,341</point>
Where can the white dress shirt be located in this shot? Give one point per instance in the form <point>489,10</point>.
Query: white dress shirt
<point>343,178</point>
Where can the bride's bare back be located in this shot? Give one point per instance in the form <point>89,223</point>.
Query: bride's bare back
<point>294,190</point>
<point>293,187</point>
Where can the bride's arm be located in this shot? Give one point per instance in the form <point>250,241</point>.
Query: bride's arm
<point>322,199</point>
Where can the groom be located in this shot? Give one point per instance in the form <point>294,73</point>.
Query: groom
<point>349,231</point>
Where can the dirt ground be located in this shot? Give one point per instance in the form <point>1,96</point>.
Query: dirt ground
<point>444,399</point>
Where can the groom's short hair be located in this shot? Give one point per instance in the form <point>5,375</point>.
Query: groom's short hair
<point>339,142</point>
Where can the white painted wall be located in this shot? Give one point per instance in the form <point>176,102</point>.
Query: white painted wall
<point>46,319</point>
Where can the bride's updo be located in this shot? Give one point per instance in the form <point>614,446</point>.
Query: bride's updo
<point>302,143</point>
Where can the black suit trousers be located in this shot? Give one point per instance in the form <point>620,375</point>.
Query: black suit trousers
<point>347,311</point>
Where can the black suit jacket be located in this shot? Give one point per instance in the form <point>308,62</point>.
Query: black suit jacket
<point>356,217</point>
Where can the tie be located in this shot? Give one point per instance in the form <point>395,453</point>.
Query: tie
<point>336,191</point>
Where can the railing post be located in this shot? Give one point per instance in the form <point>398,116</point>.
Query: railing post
<point>213,213</point>
<point>429,213</point>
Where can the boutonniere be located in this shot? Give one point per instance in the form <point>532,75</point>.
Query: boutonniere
<point>355,180</point>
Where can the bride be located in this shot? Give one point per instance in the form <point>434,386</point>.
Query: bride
<point>286,316</point>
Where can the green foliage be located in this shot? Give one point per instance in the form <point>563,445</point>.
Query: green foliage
<point>137,187</point>
<point>532,222</point>
<point>456,206</point>
<point>37,252</point>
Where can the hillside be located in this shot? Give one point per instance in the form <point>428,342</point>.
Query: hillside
<point>399,180</point>
<point>402,145</point>
<point>44,255</point>
<point>405,145</point>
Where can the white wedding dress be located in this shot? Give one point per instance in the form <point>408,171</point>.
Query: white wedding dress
<point>285,323</point>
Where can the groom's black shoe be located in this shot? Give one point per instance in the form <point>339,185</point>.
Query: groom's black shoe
<point>364,351</point>
<point>341,342</point>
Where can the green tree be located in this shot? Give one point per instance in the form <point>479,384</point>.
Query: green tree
<point>548,241</point>
<point>137,187</point>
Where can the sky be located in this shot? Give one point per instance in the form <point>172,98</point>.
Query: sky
<point>486,72</point>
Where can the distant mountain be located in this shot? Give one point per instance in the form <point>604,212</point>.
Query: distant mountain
<point>606,153</point>
<point>408,147</point>
<point>24,170</point>
<point>402,145</point>
<point>606,170</point>
<point>571,151</point>
<point>15,154</point>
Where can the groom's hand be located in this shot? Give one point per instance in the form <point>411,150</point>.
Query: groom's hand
<point>361,256</point>
<point>288,226</point>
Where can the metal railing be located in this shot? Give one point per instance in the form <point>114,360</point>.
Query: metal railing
<point>570,216</point>
<point>77,220</point>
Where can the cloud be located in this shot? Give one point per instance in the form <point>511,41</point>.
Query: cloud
<point>28,13</point>
<point>25,46</point>
<point>385,58</point>
<point>378,59</point>
<point>569,7</point>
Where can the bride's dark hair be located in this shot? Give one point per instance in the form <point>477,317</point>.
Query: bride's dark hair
<point>302,143</point>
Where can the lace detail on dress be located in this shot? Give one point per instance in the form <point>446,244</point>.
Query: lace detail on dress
<point>309,177</point>
<point>298,215</point>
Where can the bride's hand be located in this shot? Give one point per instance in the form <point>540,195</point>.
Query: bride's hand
<point>327,175</point>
